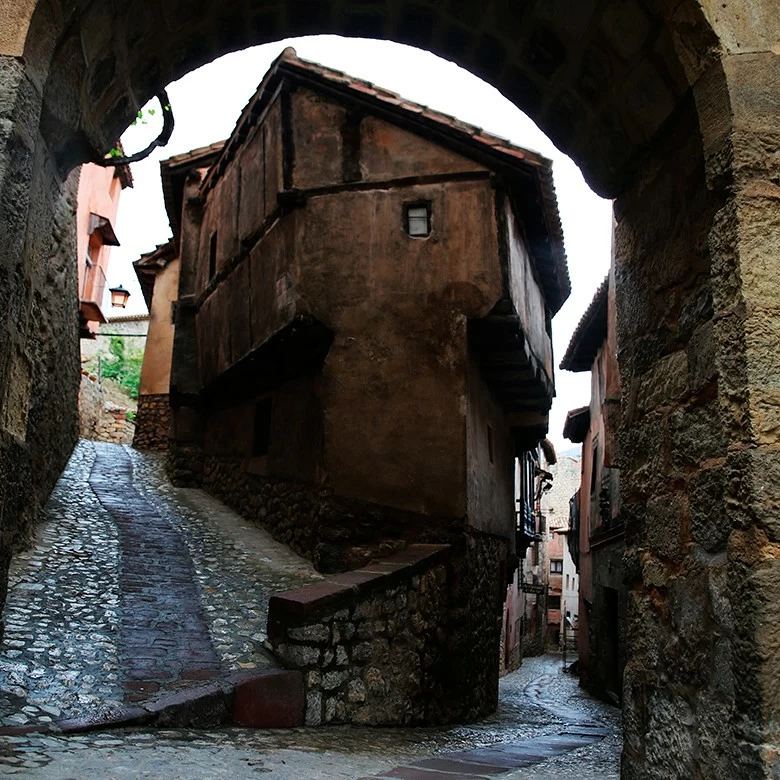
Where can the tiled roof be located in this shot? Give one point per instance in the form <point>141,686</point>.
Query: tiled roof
<point>173,172</point>
<point>589,334</point>
<point>149,264</point>
<point>577,423</point>
<point>495,152</point>
<point>194,154</point>
<point>158,257</point>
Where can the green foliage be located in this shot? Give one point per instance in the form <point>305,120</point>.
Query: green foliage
<point>123,365</point>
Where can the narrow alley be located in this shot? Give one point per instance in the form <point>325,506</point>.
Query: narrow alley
<point>135,588</point>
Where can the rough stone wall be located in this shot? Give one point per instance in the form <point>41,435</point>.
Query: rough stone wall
<point>39,365</point>
<point>477,586</point>
<point>153,422</point>
<point>113,425</point>
<point>335,533</point>
<point>680,689</point>
<point>91,400</point>
<point>99,419</point>
<point>370,642</point>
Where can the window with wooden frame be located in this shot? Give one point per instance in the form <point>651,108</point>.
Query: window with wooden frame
<point>417,219</point>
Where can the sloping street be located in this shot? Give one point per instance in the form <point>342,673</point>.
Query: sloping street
<point>135,588</point>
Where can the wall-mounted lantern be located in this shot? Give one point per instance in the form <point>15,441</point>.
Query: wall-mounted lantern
<point>119,296</point>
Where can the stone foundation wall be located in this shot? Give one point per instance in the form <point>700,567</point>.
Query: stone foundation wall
<point>153,423</point>
<point>371,643</point>
<point>477,588</point>
<point>337,534</point>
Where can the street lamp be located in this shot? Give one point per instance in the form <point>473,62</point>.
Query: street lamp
<point>119,296</point>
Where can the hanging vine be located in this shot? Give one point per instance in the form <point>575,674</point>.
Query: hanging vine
<point>115,156</point>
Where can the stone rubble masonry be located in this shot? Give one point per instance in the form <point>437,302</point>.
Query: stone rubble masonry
<point>336,533</point>
<point>91,400</point>
<point>370,642</point>
<point>153,422</point>
<point>101,420</point>
<point>267,699</point>
<point>339,535</point>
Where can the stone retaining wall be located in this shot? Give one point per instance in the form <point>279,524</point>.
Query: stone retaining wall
<point>153,423</point>
<point>334,532</point>
<point>113,426</point>
<point>101,420</point>
<point>371,643</point>
<point>91,400</point>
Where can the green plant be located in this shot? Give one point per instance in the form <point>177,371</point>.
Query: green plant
<point>141,117</point>
<point>123,365</point>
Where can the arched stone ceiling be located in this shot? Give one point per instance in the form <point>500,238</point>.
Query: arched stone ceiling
<point>601,78</point>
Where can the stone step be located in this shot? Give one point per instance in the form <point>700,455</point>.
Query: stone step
<point>262,699</point>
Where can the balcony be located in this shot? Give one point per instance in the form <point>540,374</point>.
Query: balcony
<point>91,298</point>
<point>519,380</point>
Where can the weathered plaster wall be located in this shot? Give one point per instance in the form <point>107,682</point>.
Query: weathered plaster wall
<point>158,352</point>
<point>394,379</point>
<point>98,193</point>
<point>332,145</point>
<point>490,461</point>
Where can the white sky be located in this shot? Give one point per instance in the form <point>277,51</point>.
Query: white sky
<point>208,101</point>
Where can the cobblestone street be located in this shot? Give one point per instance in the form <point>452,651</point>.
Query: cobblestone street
<point>124,574</point>
<point>134,587</point>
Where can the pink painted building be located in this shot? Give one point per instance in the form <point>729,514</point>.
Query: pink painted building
<point>96,207</point>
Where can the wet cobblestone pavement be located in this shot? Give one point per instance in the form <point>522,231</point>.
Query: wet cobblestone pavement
<point>333,753</point>
<point>65,652</point>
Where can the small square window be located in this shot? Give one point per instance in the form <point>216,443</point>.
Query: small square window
<point>418,220</point>
<point>556,567</point>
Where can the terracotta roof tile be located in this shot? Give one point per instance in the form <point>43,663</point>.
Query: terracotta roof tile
<point>589,333</point>
<point>193,154</point>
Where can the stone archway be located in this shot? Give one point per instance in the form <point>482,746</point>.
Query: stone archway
<point>670,107</point>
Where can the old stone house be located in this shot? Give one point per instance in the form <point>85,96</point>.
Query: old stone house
<point>541,597</point>
<point>598,516</point>
<point>559,571</point>
<point>362,343</point>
